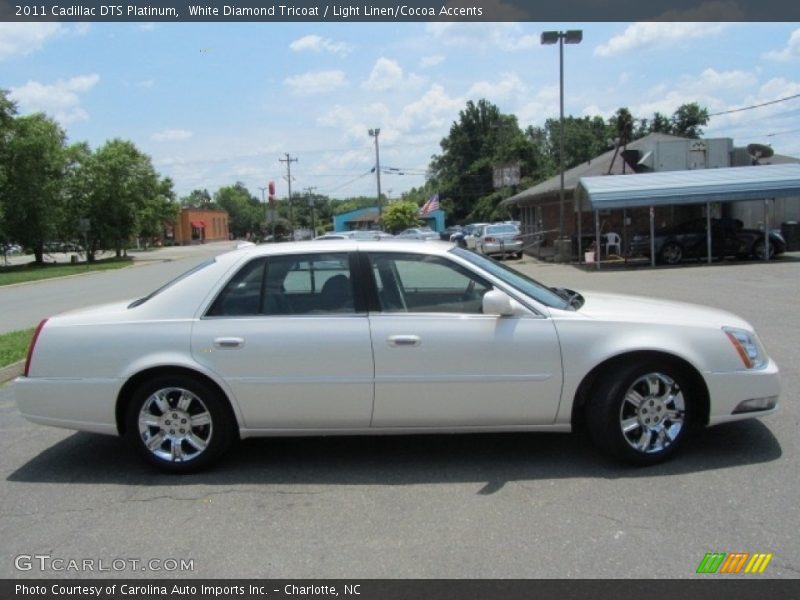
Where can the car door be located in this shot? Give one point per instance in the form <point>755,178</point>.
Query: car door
<point>440,362</point>
<point>292,342</point>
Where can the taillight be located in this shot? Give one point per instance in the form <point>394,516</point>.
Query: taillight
<point>35,337</point>
<point>489,239</point>
<point>518,237</point>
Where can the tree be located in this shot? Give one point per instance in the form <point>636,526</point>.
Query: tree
<point>481,139</point>
<point>245,213</point>
<point>34,162</point>
<point>688,120</point>
<point>77,190</point>
<point>197,199</point>
<point>157,210</point>
<point>7,111</point>
<point>123,180</point>
<point>400,215</point>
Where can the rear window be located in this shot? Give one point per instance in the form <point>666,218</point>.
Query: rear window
<point>501,229</point>
<point>181,277</point>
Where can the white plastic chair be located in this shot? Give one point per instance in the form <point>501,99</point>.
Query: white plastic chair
<point>613,241</point>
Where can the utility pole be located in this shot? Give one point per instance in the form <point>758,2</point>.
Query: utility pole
<point>289,160</point>
<point>309,192</point>
<point>375,133</point>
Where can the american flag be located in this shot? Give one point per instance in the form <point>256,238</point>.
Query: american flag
<point>431,205</point>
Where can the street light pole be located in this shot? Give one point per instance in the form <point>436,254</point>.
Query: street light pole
<point>570,37</point>
<point>375,133</point>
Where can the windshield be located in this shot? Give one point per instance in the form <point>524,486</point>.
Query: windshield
<point>526,285</point>
<point>501,229</point>
<point>169,284</point>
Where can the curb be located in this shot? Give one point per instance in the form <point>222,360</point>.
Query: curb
<point>11,371</point>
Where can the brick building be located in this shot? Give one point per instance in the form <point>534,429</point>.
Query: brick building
<point>199,225</point>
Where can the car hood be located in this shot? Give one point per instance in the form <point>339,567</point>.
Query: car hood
<point>640,309</point>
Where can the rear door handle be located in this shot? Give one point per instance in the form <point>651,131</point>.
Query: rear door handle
<point>403,340</point>
<point>228,343</point>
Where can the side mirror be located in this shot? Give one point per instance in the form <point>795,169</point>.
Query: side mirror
<point>498,303</point>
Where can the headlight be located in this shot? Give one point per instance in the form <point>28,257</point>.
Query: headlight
<point>747,347</point>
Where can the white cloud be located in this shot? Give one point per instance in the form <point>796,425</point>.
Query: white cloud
<point>435,109</point>
<point>649,35</point>
<point>317,43</point>
<point>509,86</point>
<point>715,80</point>
<point>171,135</point>
<point>508,37</point>
<point>60,100</point>
<point>540,107</point>
<point>792,49</point>
<point>388,75</point>
<point>431,61</point>
<point>19,39</point>
<point>318,82</point>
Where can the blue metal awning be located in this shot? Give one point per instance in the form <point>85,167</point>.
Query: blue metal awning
<point>689,187</point>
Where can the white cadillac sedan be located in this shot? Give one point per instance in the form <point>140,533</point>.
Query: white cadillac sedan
<point>351,337</point>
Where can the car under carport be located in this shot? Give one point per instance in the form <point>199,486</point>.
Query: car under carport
<point>701,186</point>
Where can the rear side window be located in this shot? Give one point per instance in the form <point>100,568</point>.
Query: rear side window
<point>288,285</point>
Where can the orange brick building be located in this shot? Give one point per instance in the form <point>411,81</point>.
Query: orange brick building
<point>199,225</point>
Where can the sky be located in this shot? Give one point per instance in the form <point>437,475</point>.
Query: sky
<point>217,103</point>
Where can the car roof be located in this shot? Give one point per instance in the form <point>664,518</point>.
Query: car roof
<point>343,245</point>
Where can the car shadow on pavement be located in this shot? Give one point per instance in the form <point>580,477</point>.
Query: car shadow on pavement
<point>492,459</point>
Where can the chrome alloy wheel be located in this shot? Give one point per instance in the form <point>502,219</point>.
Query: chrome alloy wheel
<point>653,413</point>
<point>175,425</point>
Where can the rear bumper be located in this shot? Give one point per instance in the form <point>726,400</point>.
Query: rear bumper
<point>82,404</point>
<point>504,247</point>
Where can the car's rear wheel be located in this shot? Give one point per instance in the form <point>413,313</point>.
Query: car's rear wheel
<point>179,424</point>
<point>640,413</point>
<point>671,253</point>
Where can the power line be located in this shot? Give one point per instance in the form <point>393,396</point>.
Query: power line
<point>735,110</point>
<point>781,133</point>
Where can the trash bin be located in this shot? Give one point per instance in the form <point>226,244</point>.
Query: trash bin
<point>73,259</point>
<point>589,257</point>
<point>563,250</point>
<point>790,230</point>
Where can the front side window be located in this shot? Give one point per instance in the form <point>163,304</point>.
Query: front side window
<point>426,284</point>
<point>288,285</point>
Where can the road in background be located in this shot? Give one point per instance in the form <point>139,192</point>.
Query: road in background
<point>23,306</point>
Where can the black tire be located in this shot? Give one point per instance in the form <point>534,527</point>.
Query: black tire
<point>187,423</point>
<point>671,253</point>
<point>758,250</point>
<point>653,431</point>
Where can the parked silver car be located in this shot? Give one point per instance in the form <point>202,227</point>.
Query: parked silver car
<point>418,233</point>
<point>500,238</point>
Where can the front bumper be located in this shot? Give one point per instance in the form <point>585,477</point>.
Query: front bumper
<point>728,390</point>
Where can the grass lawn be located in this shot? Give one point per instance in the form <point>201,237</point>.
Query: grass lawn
<point>32,272</point>
<point>14,346</point>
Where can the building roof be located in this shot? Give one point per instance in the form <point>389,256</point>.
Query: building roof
<point>690,187</point>
<point>596,166</point>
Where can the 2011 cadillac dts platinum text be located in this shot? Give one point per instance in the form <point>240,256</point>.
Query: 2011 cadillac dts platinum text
<point>364,337</point>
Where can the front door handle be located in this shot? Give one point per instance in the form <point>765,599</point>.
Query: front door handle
<point>403,340</point>
<point>228,343</point>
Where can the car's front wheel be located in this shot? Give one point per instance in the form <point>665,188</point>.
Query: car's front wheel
<point>671,253</point>
<point>179,424</point>
<point>640,413</point>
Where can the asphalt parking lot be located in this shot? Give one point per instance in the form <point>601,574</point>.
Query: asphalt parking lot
<point>512,506</point>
